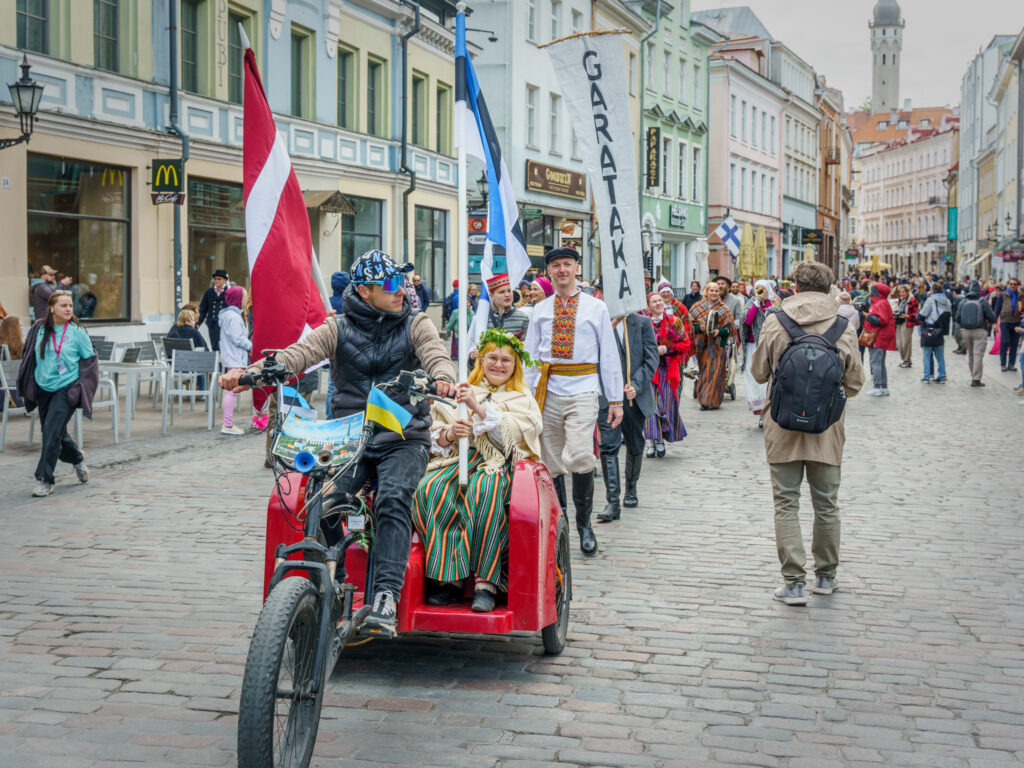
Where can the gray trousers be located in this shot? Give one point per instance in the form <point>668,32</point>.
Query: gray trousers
<point>975,339</point>
<point>878,373</point>
<point>823,483</point>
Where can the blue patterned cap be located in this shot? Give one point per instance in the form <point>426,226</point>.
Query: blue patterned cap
<point>376,266</point>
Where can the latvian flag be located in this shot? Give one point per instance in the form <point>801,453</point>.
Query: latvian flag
<point>286,303</point>
<point>474,132</point>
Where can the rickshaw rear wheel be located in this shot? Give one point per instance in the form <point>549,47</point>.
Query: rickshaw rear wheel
<point>278,716</point>
<point>555,635</point>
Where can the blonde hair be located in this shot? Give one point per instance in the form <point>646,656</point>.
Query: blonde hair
<point>186,317</point>
<point>515,382</point>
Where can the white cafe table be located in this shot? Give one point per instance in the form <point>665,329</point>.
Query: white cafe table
<point>131,372</point>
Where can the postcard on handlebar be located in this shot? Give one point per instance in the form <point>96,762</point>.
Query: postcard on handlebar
<point>339,436</point>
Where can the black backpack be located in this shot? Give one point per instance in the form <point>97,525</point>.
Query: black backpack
<point>807,386</point>
<point>971,314</point>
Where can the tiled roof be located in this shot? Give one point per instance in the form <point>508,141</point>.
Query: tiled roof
<point>865,126</point>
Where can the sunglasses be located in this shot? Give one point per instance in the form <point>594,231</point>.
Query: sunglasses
<point>388,284</point>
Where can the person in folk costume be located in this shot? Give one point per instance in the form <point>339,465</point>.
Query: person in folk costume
<point>571,336</point>
<point>467,532</point>
<point>635,334</point>
<point>713,324</point>
<point>674,349</point>
<point>760,304</point>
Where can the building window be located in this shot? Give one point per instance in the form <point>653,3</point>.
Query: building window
<point>666,164</point>
<point>531,20</point>
<point>681,172</point>
<point>300,79</point>
<point>650,67</point>
<point>105,34</point>
<point>743,188</point>
<point>764,130</point>
<point>764,194</point>
<point>575,145</point>
<point>773,211</point>
<point>216,233</point>
<point>443,142</point>
<point>376,115</point>
<point>346,88</point>
<point>743,119</point>
<point>431,249</point>
<point>577,26</point>
<point>553,138</point>
<point>753,125</point>
<point>732,185</point>
<point>697,103</point>
<point>732,115</point>
<point>556,19</point>
<point>235,52</point>
<point>362,231</point>
<point>753,191</point>
<point>695,176</point>
<point>771,136</point>
<point>79,220</point>
<point>33,25</point>
<point>190,45</point>
<point>531,116</point>
<point>419,110</point>
<point>682,81</point>
<point>666,74</point>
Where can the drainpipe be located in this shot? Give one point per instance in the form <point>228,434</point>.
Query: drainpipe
<point>403,168</point>
<point>174,128</point>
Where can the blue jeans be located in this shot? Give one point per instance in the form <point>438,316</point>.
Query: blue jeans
<point>330,394</point>
<point>878,372</point>
<point>939,354</point>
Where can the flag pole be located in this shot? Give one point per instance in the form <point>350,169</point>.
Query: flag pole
<point>463,300</point>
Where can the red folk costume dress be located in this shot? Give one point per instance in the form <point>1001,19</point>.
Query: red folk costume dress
<point>666,426</point>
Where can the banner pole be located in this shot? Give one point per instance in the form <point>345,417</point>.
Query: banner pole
<point>463,299</point>
<point>629,365</point>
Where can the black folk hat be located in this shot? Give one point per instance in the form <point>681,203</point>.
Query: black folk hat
<point>562,253</point>
<point>220,273</point>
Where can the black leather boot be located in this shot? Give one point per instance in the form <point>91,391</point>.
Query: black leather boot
<point>610,470</point>
<point>633,464</point>
<point>560,493</point>
<point>583,500</point>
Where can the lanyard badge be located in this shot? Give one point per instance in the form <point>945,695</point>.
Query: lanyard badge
<point>62,368</point>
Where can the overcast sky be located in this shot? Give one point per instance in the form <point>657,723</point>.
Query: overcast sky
<point>940,38</point>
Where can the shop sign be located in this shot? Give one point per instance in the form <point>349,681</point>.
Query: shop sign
<point>168,197</point>
<point>813,237</point>
<point>653,155</point>
<point>572,228</point>
<point>1017,254</point>
<point>168,176</point>
<point>532,213</point>
<point>555,181</point>
<point>478,225</point>
<point>677,215</point>
<point>852,253</point>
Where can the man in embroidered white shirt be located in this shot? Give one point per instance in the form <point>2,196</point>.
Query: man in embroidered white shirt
<point>571,336</point>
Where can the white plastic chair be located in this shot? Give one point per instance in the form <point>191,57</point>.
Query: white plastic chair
<point>186,367</point>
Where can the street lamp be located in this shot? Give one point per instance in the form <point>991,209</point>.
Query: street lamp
<point>492,36</point>
<point>482,187</point>
<point>25,95</point>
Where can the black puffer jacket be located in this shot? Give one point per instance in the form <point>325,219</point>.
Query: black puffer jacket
<point>374,346</point>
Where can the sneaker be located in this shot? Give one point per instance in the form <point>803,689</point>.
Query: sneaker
<point>940,381</point>
<point>232,431</point>
<point>483,601</point>
<point>1019,389</point>
<point>43,488</point>
<point>885,392</point>
<point>791,594</point>
<point>926,380</point>
<point>977,383</point>
<point>875,393</point>
<point>823,585</point>
<point>383,616</point>
<point>82,471</point>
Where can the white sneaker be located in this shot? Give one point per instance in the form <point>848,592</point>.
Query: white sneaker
<point>43,488</point>
<point>885,392</point>
<point>875,393</point>
<point>82,471</point>
<point>232,431</point>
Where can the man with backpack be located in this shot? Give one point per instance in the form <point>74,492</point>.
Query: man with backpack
<point>804,429</point>
<point>975,317</point>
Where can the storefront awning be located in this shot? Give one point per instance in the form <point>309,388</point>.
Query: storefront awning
<point>971,262</point>
<point>328,201</point>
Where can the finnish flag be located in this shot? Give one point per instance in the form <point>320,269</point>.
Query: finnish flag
<point>729,233</point>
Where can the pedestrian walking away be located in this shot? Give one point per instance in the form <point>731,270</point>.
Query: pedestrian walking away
<point>638,369</point>
<point>879,336</point>
<point>935,315</point>
<point>60,374</point>
<point>975,317</point>
<point>211,305</point>
<point>793,454</point>
<point>571,337</point>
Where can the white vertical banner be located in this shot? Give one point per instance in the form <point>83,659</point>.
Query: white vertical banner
<point>592,75</point>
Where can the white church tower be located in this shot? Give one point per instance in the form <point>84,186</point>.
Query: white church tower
<point>886,44</point>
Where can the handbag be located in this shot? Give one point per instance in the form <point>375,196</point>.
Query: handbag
<point>931,336</point>
<point>867,338</point>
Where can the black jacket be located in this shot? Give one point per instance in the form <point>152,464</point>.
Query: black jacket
<point>188,332</point>
<point>211,305</point>
<point>643,358</point>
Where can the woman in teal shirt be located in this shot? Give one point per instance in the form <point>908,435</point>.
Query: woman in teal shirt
<point>61,342</point>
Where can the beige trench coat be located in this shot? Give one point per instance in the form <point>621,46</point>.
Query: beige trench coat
<point>814,312</point>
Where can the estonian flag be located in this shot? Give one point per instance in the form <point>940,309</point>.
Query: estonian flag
<point>382,410</point>
<point>474,132</point>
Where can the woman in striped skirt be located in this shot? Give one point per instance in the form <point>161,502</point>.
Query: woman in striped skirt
<point>467,533</point>
<point>712,326</point>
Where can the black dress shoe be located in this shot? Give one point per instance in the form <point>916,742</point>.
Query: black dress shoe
<point>483,601</point>
<point>660,451</point>
<point>446,595</point>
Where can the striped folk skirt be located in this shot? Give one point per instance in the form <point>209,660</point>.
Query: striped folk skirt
<point>466,532</point>
<point>666,425</point>
<point>712,360</point>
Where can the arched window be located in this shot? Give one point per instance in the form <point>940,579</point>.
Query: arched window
<point>883,59</point>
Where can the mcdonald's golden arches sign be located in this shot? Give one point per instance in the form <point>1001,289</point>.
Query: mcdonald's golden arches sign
<point>168,176</point>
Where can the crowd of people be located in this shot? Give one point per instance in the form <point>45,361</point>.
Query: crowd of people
<point>556,379</point>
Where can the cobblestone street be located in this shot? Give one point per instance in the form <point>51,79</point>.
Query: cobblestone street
<point>128,603</point>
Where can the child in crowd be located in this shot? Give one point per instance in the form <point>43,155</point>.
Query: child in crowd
<point>234,349</point>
